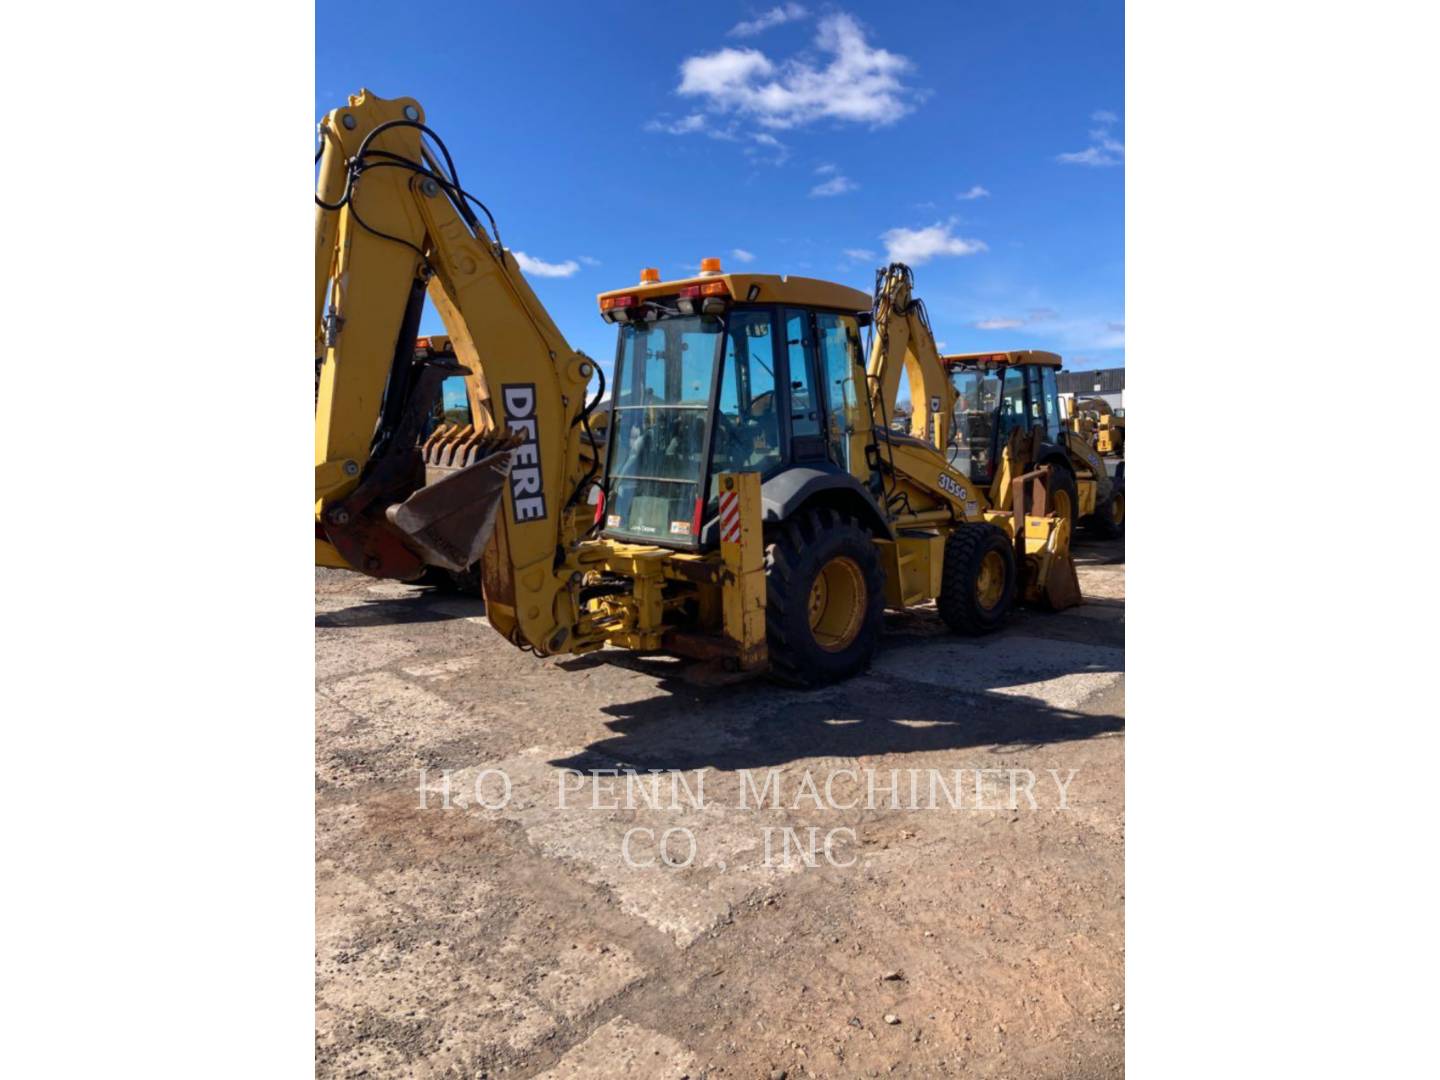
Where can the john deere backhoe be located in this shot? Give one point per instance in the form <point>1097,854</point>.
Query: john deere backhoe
<point>975,407</point>
<point>752,508</point>
<point>999,393</point>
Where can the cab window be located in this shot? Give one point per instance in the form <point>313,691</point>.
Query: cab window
<point>839,338</point>
<point>452,406</point>
<point>804,403</point>
<point>1052,403</point>
<point>747,428</point>
<point>1012,406</point>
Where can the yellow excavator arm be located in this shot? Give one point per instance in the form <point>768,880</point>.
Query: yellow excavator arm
<point>904,342</point>
<point>393,225</point>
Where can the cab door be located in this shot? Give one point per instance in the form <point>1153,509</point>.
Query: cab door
<point>1050,404</point>
<point>838,337</point>
<point>807,436</point>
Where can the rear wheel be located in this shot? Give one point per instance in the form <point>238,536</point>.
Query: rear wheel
<point>450,581</point>
<point>825,598</point>
<point>978,585</point>
<point>1062,496</point>
<point>1109,518</point>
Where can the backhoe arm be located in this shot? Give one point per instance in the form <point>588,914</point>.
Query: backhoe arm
<point>903,341</point>
<point>399,228</point>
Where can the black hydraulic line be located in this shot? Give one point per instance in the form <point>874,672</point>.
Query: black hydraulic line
<point>402,365</point>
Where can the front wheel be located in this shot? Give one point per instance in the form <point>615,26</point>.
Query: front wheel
<point>825,596</point>
<point>978,585</point>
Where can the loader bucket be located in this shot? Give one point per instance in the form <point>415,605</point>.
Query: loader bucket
<point>1062,587</point>
<point>451,518</point>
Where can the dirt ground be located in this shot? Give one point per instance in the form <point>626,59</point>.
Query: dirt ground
<point>507,934</point>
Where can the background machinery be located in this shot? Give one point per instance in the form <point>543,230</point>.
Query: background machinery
<point>998,394</point>
<point>751,507</point>
<point>975,406</point>
<point>1099,425</point>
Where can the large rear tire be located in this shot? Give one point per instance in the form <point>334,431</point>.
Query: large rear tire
<point>825,598</point>
<point>1063,494</point>
<point>450,581</point>
<point>978,584</point>
<point>1109,519</point>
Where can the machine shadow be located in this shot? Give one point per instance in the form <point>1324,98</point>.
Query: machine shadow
<point>424,605</point>
<point>755,725</point>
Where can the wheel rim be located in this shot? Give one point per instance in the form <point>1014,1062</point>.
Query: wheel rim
<point>1061,500</point>
<point>1117,509</point>
<point>837,603</point>
<point>990,582</point>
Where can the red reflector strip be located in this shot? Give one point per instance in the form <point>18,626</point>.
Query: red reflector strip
<point>730,517</point>
<point>600,509</point>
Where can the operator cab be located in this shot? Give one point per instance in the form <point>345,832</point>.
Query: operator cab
<point>996,394</point>
<point>724,373</point>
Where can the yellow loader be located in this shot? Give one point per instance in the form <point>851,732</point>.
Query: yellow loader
<point>999,393</point>
<point>752,509</point>
<point>975,406</point>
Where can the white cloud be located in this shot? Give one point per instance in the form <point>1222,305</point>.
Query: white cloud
<point>1091,155</point>
<point>1104,148</point>
<point>859,254</point>
<point>826,169</point>
<point>586,260</point>
<point>975,192</point>
<point>779,152</point>
<point>836,185</point>
<point>1005,322</point>
<point>916,246</point>
<point>541,268</point>
<point>776,16</point>
<point>686,125</point>
<point>859,83</point>
<point>1066,334</point>
<point>740,255</point>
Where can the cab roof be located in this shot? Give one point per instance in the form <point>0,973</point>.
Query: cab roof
<point>759,289</point>
<point>1014,356</point>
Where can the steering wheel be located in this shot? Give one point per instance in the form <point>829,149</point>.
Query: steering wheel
<point>734,432</point>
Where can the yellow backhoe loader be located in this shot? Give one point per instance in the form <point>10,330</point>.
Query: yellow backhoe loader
<point>752,508</point>
<point>974,406</point>
<point>997,394</point>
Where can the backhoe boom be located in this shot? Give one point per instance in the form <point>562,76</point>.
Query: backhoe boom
<point>397,230</point>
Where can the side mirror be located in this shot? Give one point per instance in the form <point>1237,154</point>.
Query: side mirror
<point>864,318</point>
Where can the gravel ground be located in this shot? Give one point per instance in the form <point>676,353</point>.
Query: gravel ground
<point>477,914</point>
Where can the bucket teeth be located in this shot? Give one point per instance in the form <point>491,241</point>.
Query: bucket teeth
<point>452,517</point>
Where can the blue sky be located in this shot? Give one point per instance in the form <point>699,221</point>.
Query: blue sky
<point>982,143</point>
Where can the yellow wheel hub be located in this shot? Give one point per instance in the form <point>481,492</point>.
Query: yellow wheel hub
<point>1061,506</point>
<point>990,582</point>
<point>838,600</point>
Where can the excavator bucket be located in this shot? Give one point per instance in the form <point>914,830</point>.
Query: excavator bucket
<point>452,517</point>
